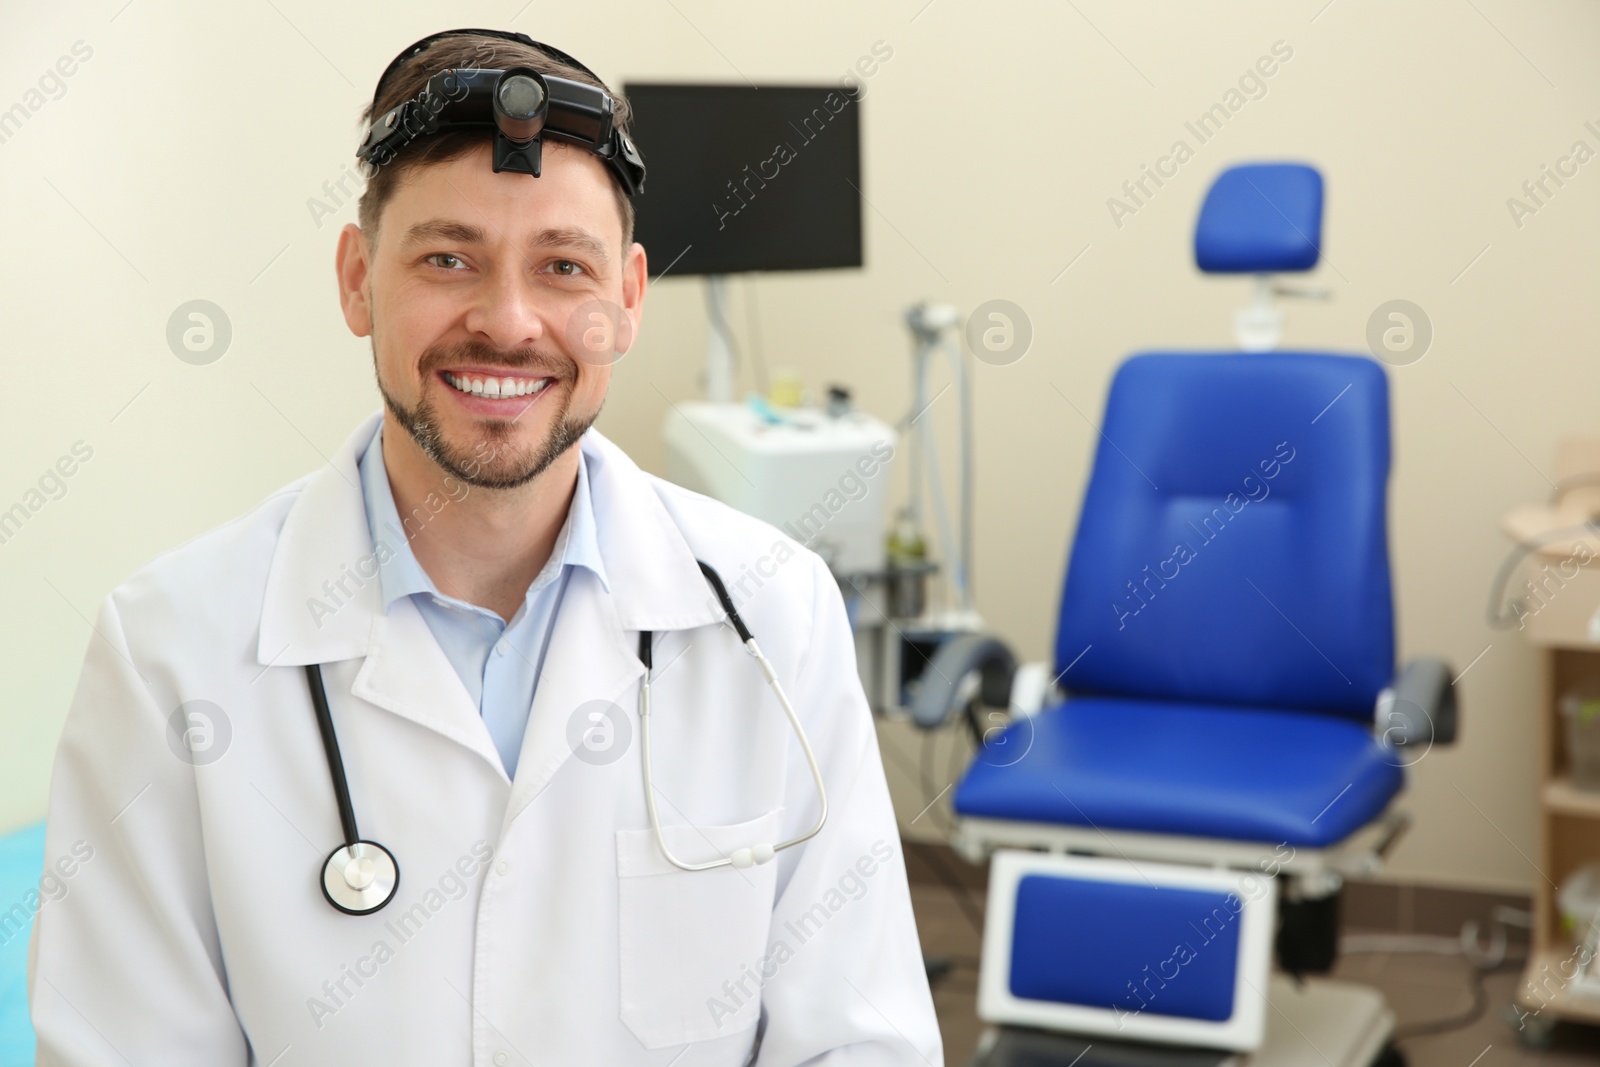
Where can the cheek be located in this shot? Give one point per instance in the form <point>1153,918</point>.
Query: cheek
<point>400,325</point>
<point>396,355</point>
<point>593,382</point>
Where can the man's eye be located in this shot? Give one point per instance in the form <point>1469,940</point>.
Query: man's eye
<point>566,268</point>
<point>442,255</point>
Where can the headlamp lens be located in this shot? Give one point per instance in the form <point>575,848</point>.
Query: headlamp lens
<point>519,104</point>
<point>521,97</point>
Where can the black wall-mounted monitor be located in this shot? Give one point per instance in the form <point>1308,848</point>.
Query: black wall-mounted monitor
<point>746,179</point>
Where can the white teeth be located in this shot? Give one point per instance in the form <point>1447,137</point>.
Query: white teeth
<point>497,387</point>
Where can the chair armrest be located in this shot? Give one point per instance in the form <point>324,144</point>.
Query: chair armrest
<point>1420,708</point>
<point>940,692</point>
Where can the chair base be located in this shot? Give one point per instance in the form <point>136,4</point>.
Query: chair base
<point>1319,1023</point>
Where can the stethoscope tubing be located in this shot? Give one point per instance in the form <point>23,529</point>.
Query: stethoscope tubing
<point>330,745</point>
<point>761,852</point>
<point>355,848</point>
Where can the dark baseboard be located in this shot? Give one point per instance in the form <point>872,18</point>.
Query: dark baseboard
<point>1397,907</point>
<point>1404,907</point>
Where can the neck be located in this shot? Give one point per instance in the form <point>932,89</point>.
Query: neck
<point>484,546</point>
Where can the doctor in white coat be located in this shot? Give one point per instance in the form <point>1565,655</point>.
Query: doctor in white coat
<point>536,920</point>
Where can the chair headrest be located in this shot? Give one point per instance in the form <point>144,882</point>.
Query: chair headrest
<point>1261,218</point>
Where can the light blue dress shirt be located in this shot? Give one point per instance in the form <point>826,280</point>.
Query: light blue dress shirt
<point>499,662</point>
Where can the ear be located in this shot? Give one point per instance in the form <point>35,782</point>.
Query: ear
<point>353,267</point>
<point>635,278</point>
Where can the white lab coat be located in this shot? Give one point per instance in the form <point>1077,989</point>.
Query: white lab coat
<point>536,921</point>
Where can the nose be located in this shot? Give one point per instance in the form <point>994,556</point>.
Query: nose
<point>506,311</point>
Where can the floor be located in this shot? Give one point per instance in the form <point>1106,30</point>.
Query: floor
<point>1419,988</point>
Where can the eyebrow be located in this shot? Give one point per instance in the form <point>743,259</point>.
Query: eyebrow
<point>467,233</point>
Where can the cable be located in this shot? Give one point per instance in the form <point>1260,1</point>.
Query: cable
<point>1464,946</point>
<point>1501,619</point>
<point>1399,944</point>
<point>952,881</point>
<point>1480,1005</point>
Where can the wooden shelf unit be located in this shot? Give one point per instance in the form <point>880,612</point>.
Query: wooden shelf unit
<point>1569,837</point>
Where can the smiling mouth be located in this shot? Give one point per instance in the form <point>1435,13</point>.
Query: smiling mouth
<point>495,388</point>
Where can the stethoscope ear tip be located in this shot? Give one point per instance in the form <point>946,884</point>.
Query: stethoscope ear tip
<point>750,857</point>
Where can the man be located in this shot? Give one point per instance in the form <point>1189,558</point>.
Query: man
<point>477,582</point>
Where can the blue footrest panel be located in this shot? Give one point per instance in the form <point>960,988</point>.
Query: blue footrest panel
<point>1125,948</point>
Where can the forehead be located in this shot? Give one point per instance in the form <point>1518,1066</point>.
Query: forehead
<point>572,192</point>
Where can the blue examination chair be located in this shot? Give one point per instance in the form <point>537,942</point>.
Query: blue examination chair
<point>1227,733</point>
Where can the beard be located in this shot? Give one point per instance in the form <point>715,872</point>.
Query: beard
<point>489,462</point>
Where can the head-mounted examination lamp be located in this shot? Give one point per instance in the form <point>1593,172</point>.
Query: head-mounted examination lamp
<point>520,104</point>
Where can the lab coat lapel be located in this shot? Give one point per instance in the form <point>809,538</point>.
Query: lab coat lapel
<point>587,665</point>
<point>655,584</point>
<point>408,673</point>
<point>323,604</point>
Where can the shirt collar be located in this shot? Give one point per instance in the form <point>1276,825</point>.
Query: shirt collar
<point>399,572</point>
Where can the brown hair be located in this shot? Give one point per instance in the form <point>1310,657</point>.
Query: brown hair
<point>409,80</point>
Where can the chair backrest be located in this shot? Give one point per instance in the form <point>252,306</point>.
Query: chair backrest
<point>1232,546</point>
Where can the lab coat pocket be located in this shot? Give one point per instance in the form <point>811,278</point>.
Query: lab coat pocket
<point>692,941</point>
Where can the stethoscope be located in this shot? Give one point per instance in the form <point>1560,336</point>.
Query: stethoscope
<point>360,877</point>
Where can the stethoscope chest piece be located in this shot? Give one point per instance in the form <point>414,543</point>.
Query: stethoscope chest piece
<point>360,878</point>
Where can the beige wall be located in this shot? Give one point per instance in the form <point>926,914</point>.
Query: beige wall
<point>179,161</point>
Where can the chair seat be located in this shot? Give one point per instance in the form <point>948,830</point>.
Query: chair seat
<point>1198,770</point>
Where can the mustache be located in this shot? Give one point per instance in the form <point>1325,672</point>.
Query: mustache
<point>523,359</point>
